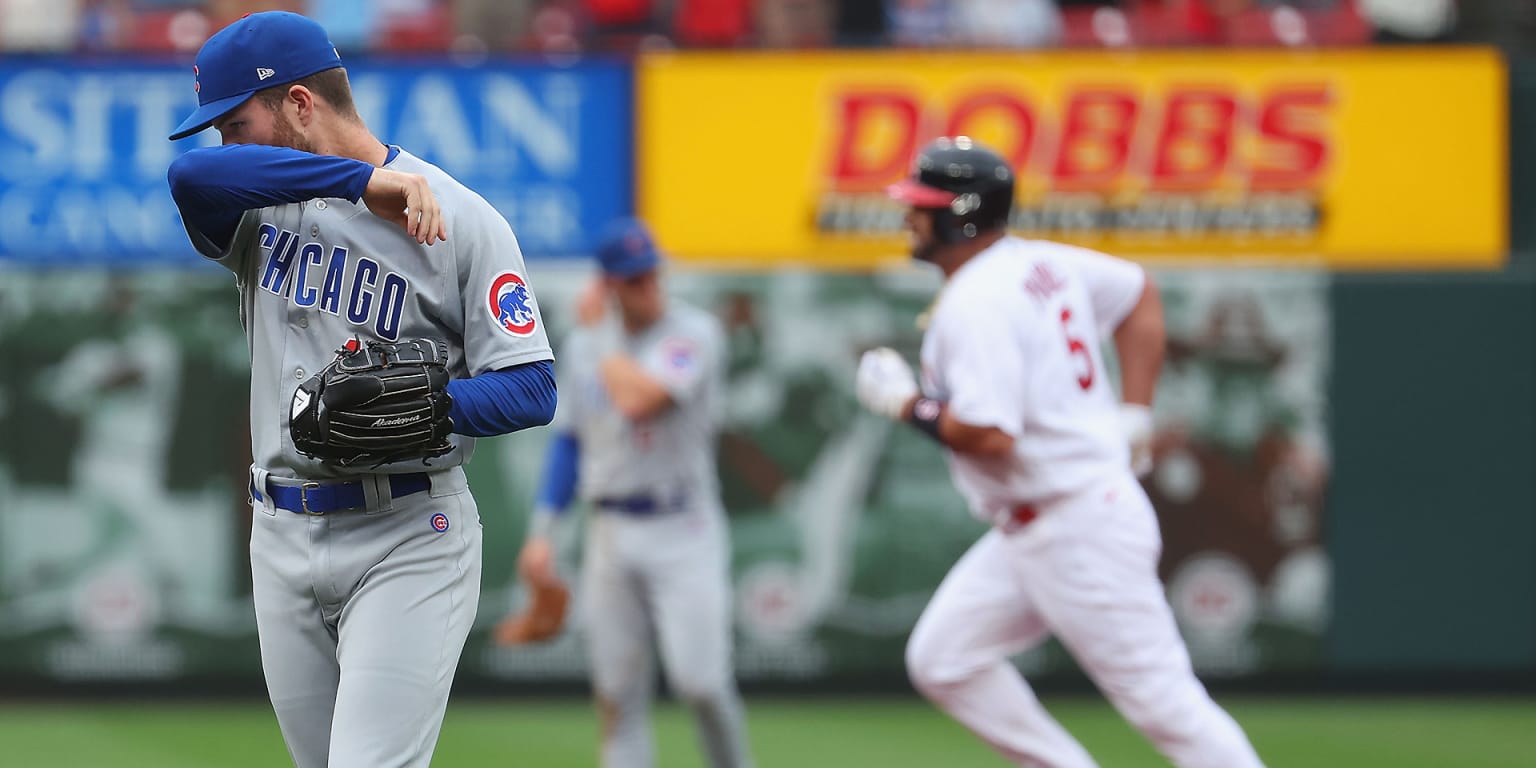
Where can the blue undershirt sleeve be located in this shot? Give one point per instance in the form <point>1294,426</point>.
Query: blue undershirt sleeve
<point>558,486</point>
<point>498,402</point>
<point>214,186</point>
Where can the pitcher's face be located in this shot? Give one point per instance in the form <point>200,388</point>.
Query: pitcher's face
<point>639,296</point>
<point>255,123</point>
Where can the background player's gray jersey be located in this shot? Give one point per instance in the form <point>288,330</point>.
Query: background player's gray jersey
<point>671,456</point>
<point>315,274</point>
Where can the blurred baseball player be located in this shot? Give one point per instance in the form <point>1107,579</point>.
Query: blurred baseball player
<point>366,576</point>
<point>1014,387</point>
<point>635,439</point>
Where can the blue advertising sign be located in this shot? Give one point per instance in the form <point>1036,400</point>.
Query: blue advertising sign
<point>83,151</point>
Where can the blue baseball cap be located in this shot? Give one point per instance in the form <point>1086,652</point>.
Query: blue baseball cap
<point>258,51</point>
<point>626,249</point>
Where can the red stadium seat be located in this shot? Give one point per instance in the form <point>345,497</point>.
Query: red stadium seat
<point>151,32</point>
<point>430,30</point>
<point>1147,23</point>
<point>1287,26</point>
<point>712,23</point>
<point>1341,26</point>
<point>1095,27</point>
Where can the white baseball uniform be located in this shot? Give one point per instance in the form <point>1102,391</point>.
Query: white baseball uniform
<point>1073,552</point>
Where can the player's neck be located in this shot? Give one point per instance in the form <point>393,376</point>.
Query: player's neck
<point>636,323</point>
<point>346,138</point>
<point>952,258</point>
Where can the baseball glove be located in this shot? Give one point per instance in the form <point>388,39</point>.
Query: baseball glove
<point>541,619</point>
<point>376,403</point>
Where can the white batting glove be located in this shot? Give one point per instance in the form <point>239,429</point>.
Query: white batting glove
<point>885,382</point>
<point>1136,424</point>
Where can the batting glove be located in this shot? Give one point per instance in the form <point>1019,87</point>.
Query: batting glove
<point>885,382</point>
<point>1136,423</point>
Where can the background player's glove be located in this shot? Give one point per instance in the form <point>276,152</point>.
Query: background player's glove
<point>885,382</point>
<point>540,620</point>
<point>1136,423</point>
<point>544,614</point>
<point>374,404</point>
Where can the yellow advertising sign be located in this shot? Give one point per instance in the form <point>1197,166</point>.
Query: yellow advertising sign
<point>1351,159</point>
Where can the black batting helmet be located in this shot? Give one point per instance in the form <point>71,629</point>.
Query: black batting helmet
<point>968,187</point>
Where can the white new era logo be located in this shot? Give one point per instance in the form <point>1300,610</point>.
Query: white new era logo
<point>263,73</point>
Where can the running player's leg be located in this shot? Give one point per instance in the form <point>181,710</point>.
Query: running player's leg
<point>298,647</point>
<point>1108,608</point>
<point>690,587</point>
<point>958,657</point>
<point>404,626</point>
<point>619,647</point>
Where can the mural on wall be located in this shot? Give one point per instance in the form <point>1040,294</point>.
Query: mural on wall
<point>123,517</point>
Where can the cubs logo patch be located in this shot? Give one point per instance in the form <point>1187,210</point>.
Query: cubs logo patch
<point>511,304</point>
<point>440,522</point>
<point>679,354</point>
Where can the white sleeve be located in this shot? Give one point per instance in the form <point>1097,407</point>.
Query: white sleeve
<point>984,363</point>
<point>1113,285</point>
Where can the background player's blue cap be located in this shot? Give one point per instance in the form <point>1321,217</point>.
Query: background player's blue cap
<point>258,51</point>
<point>626,249</point>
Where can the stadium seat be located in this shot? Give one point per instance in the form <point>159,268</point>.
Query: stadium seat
<point>1140,23</point>
<point>1288,26</point>
<point>429,30</point>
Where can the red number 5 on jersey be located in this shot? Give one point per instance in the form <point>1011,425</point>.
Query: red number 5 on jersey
<point>1076,347</point>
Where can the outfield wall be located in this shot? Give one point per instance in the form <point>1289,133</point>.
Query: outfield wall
<point>1346,435</point>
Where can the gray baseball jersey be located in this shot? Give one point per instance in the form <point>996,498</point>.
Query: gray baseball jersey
<point>656,565</point>
<point>389,591</point>
<point>313,275</point>
<point>665,456</point>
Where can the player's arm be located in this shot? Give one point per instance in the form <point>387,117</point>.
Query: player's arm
<point>1128,307</point>
<point>543,616</point>
<point>1140,341</point>
<point>557,488</point>
<point>502,401</point>
<point>984,413</point>
<point>632,389</point>
<point>676,370</point>
<point>938,422</point>
<point>887,386</point>
<point>214,186</point>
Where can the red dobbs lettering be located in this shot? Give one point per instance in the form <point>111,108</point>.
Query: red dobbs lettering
<point>1101,138</point>
<point>1289,119</point>
<point>854,166</point>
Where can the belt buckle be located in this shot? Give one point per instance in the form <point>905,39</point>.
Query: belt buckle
<point>304,490</point>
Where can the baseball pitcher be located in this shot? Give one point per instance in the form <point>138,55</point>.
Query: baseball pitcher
<point>379,349</point>
<point>1014,387</point>
<point>635,440</point>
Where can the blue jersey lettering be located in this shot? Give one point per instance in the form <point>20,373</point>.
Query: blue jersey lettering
<point>286,257</point>
<point>391,304</point>
<point>335,271</point>
<point>363,283</point>
<point>274,279</point>
<point>303,294</point>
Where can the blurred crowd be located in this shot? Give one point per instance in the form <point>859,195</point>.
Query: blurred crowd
<point>625,26</point>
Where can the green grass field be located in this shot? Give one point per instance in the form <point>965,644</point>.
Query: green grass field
<point>1300,732</point>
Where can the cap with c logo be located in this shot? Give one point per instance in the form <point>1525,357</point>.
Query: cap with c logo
<point>258,51</point>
